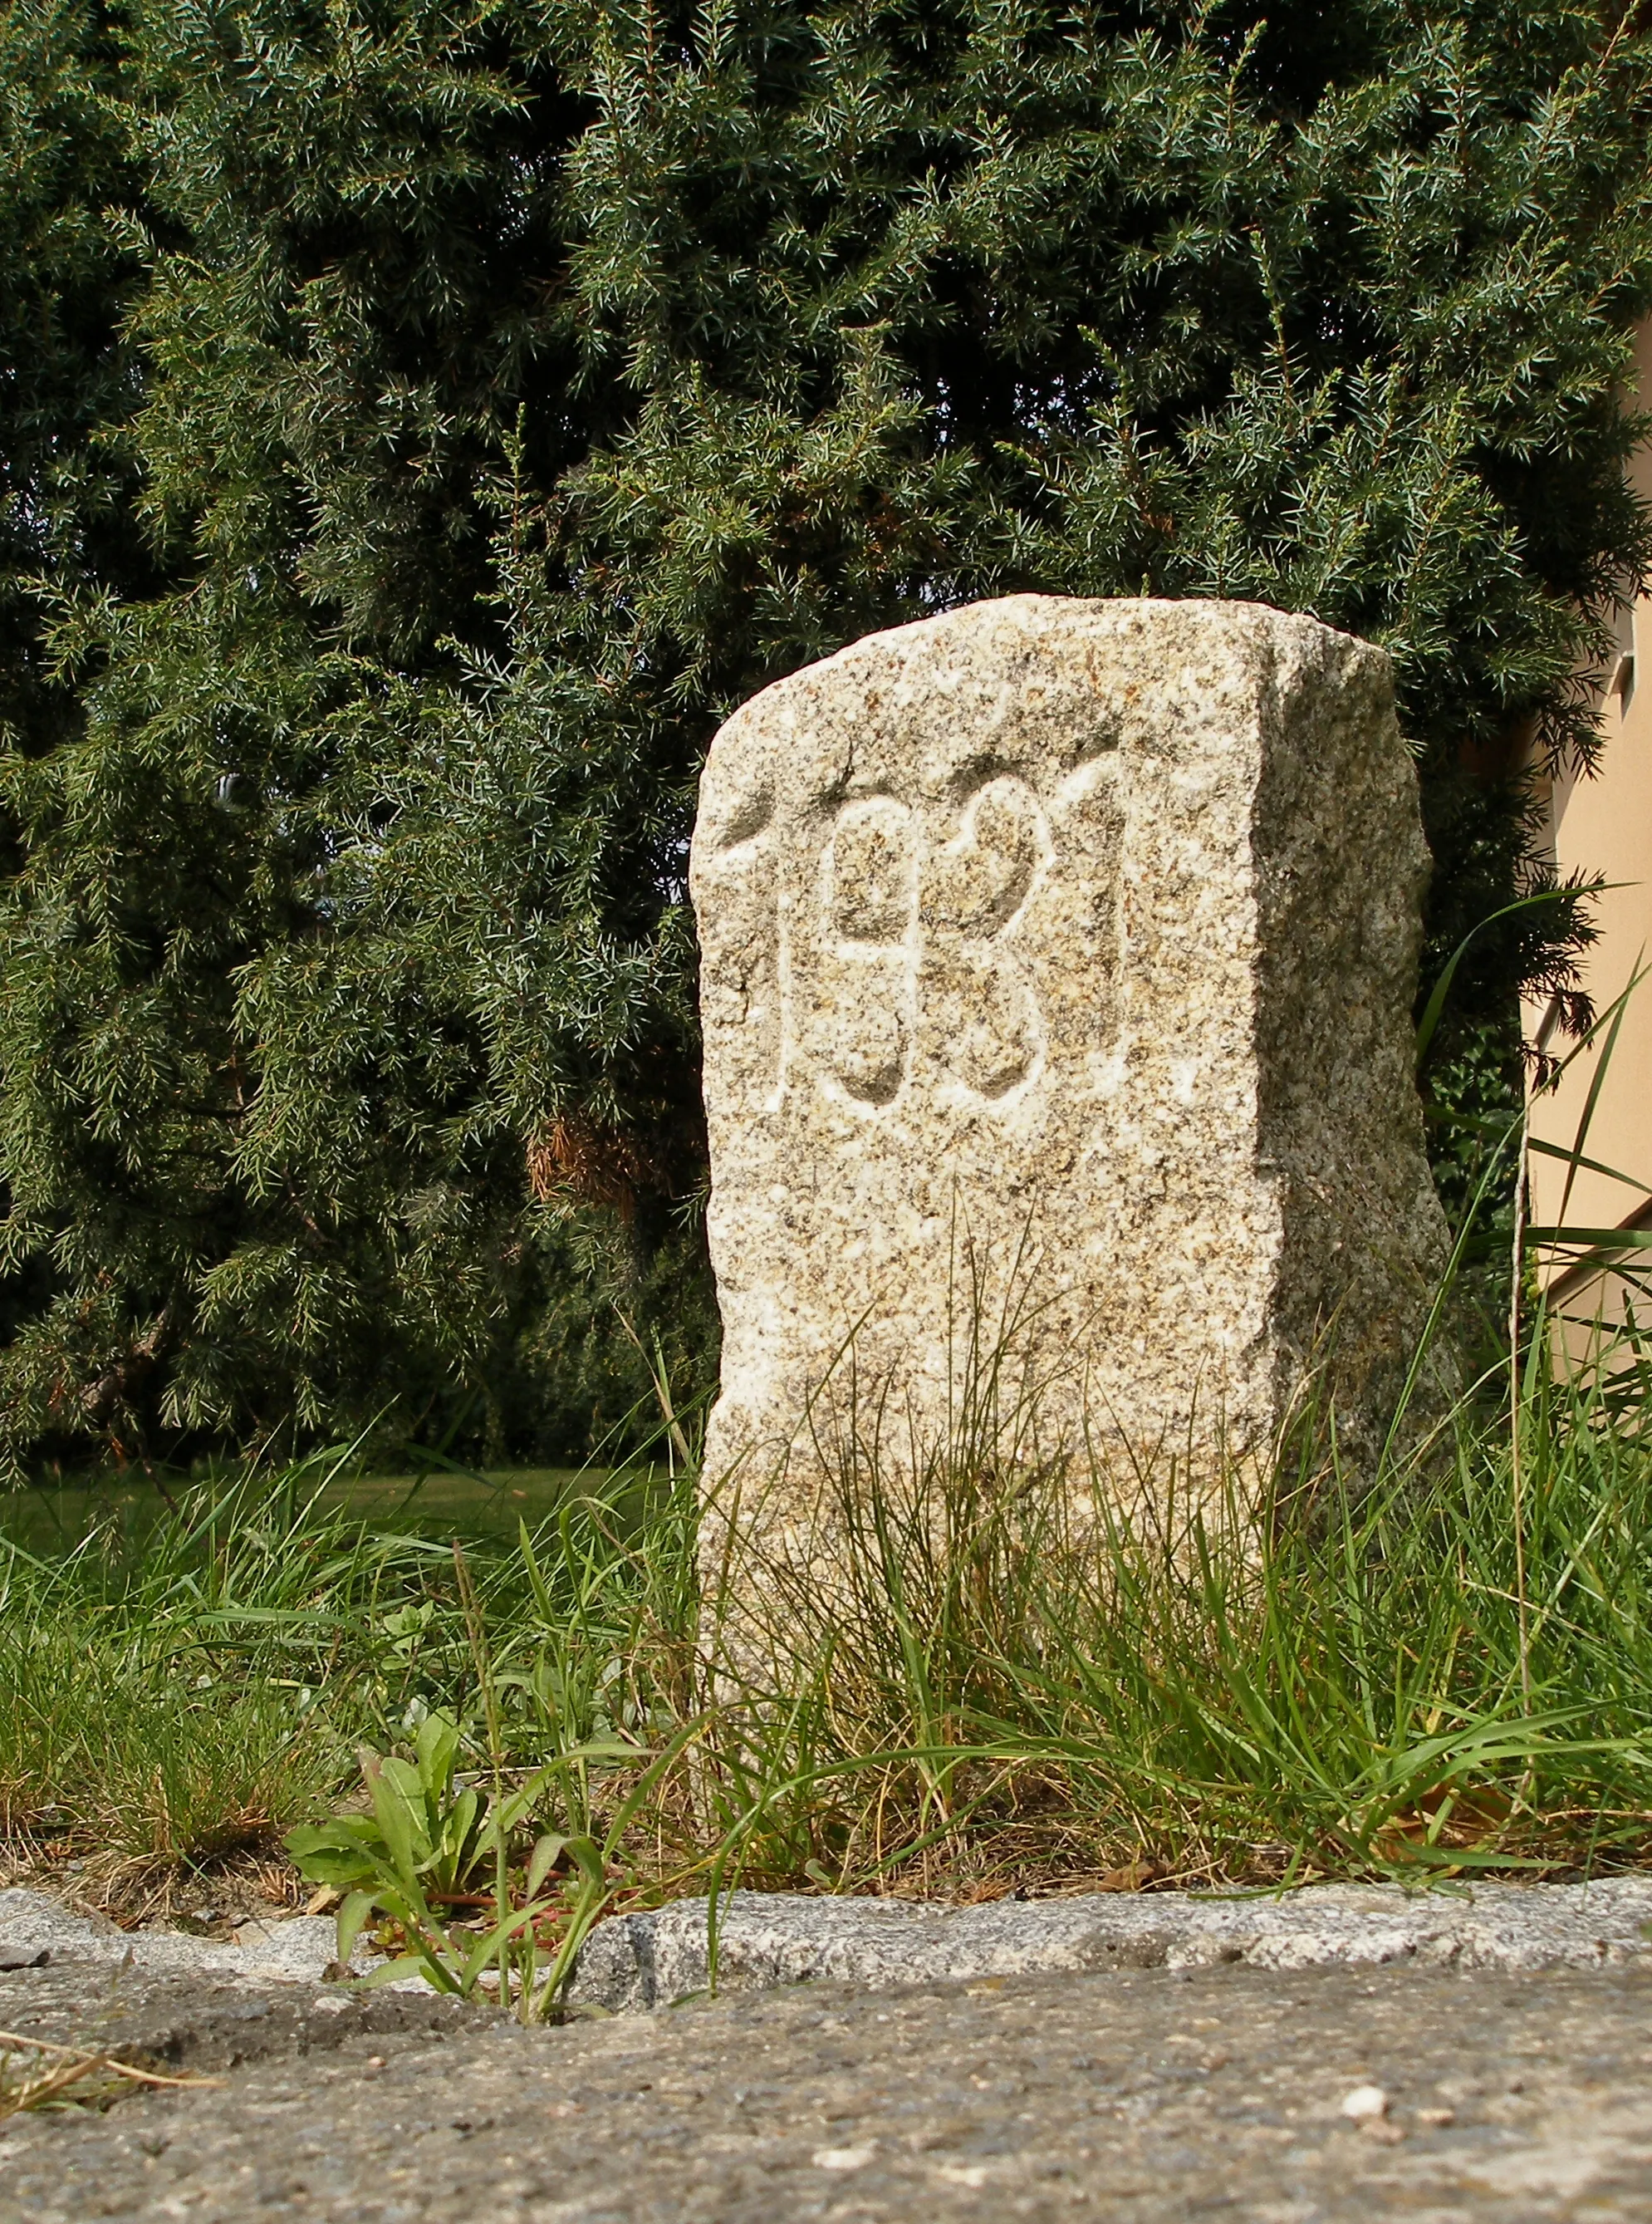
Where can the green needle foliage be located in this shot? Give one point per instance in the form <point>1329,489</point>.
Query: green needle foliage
<point>67,281</point>
<point>516,390</point>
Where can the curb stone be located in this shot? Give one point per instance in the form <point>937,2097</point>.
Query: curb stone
<point>37,1928</point>
<point>634,1962</point>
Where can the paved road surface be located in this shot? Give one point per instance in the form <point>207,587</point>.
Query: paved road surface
<point>1141,2096</point>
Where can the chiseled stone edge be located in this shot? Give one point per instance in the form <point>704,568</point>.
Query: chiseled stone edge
<point>635,1963</point>
<point>297,1951</point>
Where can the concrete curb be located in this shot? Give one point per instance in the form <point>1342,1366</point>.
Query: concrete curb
<point>636,1962</point>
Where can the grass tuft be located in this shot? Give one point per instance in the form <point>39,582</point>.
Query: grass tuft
<point>1013,1686</point>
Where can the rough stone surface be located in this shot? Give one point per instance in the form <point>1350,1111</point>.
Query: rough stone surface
<point>299,1950</point>
<point>654,1959</point>
<point>1057,965</point>
<point>1149,2097</point>
<point>205,2022</point>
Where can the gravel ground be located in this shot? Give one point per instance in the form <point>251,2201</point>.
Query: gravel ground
<point>1143,2095</point>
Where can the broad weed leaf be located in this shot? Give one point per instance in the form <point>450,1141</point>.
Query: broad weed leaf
<point>353,1917</point>
<point>398,1817</point>
<point>435,1745</point>
<point>334,1853</point>
<point>545,1852</point>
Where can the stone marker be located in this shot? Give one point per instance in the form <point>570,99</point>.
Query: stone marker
<point>1058,959</point>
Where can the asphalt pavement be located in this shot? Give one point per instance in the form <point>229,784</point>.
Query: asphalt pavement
<point>1257,2095</point>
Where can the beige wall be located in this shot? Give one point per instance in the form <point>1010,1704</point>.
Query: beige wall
<point>1604,824</point>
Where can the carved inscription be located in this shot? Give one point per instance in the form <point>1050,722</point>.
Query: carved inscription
<point>871,873</point>
<point>869,891</point>
<point>916,941</point>
<point>976,891</point>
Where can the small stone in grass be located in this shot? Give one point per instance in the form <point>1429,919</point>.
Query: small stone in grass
<point>1436,2119</point>
<point>842,2157</point>
<point>1366,2104</point>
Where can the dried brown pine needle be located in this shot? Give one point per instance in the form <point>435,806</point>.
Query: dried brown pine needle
<point>68,2073</point>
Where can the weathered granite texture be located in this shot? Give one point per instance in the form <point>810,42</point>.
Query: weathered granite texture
<point>764,1939</point>
<point>1057,965</point>
<point>37,1927</point>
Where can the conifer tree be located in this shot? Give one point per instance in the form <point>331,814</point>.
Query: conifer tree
<point>67,515</point>
<point>520,391</point>
<point>66,508</point>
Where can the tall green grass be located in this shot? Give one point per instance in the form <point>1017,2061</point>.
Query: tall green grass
<point>1337,1677</point>
<point>183,1689</point>
<point>1410,1676</point>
